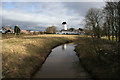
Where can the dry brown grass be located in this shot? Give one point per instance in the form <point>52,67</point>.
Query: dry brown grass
<point>22,56</point>
<point>101,64</point>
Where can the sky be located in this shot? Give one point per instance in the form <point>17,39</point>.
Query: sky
<point>39,15</point>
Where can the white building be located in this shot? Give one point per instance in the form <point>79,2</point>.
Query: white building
<point>2,30</point>
<point>67,31</point>
<point>6,30</point>
<point>71,32</point>
<point>64,25</point>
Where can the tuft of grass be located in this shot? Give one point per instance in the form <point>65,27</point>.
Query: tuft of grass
<point>22,56</point>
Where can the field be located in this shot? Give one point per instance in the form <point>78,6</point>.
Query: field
<point>22,55</point>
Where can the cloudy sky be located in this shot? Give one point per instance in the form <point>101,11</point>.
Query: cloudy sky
<point>39,15</point>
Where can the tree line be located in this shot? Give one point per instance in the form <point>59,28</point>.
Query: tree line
<point>105,21</point>
<point>53,29</point>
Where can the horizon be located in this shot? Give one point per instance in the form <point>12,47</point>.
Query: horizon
<point>37,15</point>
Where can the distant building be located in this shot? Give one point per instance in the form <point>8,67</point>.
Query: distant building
<point>77,32</point>
<point>5,29</point>
<point>67,31</point>
<point>24,32</point>
<point>64,25</point>
<point>31,32</point>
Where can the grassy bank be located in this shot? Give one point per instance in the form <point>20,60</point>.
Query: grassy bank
<point>22,56</point>
<point>100,58</point>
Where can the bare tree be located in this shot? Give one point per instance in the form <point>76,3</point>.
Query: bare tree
<point>51,30</point>
<point>93,21</point>
<point>119,19</point>
<point>112,13</point>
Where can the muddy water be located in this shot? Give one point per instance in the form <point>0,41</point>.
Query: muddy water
<point>62,63</point>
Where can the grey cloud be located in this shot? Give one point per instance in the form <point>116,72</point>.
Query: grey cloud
<point>37,15</point>
<point>83,7</point>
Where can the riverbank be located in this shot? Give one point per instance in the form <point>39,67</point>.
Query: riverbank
<point>99,57</point>
<point>62,63</point>
<point>22,56</point>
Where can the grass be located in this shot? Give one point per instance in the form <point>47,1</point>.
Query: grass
<point>114,39</point>
<point>100,58</point>
<point>22,56</point>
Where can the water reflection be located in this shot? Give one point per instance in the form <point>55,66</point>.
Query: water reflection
<point>64,47</point>
<point>62,63</point>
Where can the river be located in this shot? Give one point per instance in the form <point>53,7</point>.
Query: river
<point>62,63</point>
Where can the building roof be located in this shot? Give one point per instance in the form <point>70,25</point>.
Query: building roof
<point>64,23</point>
<point>7,28</point>
<point>24,31</point>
